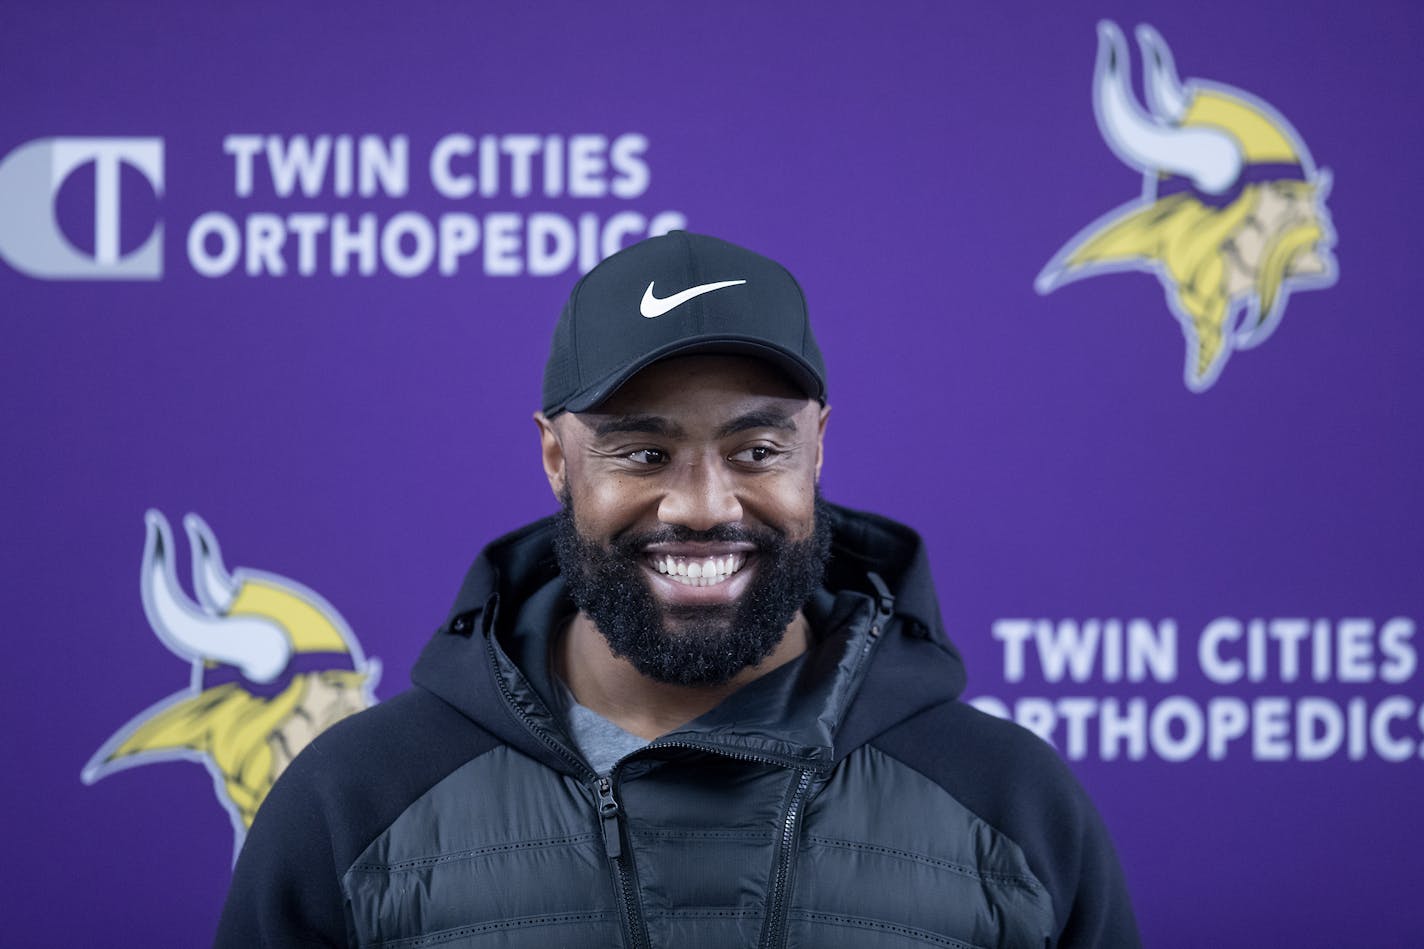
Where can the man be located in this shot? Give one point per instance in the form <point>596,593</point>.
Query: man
<point>700,707</point>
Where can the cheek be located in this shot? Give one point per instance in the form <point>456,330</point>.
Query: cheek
<point>606,504</point>
<point>789,505</point>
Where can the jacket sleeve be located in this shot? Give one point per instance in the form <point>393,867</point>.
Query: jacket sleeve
<point>1042,807</point>
<point>286,887</point>
<point>1034,798</point>
<point>1017,783</point>
<point>1096,911</point>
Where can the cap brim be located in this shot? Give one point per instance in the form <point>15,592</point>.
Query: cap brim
<point>797,369</point>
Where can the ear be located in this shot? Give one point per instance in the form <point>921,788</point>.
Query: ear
<point>821,440</point>
<point>551,451</point>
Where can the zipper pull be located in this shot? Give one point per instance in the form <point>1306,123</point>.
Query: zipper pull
<point>884,600</point>
<point>608,810</point>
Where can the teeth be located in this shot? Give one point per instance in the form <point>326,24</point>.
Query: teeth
<point>708,571</point>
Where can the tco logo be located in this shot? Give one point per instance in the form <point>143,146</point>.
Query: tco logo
<point>31,178</point>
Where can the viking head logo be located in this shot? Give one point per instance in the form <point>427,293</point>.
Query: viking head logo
<point>1232,215</point>
<point>273,665</point>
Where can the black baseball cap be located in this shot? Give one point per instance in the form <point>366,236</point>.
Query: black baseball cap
<point>675,295</point>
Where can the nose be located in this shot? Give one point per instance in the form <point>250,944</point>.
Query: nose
<point>700,496</point>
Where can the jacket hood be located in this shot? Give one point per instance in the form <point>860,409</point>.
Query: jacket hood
<point>877,588</point>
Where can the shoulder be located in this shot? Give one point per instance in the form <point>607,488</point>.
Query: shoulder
<point>338,795</point>
<point>414,728</point>
<point>360,774</point>
<point>1010,778</point>
<point>978,756</point>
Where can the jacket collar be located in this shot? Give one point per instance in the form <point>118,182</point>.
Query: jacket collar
<point>489,658</point>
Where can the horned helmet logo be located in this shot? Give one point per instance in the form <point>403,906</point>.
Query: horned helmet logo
<point>1232,216</point>
<point>273,665</point>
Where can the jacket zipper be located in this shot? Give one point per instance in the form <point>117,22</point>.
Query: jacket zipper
<point>610,812</point>
<point>774,931</point>
<point>578,764</point>
<point>779,903</point>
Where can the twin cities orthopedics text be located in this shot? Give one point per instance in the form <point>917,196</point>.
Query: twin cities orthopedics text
<point>1264,689</point>
<point>332,205</point>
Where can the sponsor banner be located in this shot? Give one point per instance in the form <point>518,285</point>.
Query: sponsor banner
<point>1118,308</point>
<point>1277,689</point>
<point>268,228</point>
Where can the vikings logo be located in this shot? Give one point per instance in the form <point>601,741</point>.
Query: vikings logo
<point>273,666</point>
<point>1232,216</point>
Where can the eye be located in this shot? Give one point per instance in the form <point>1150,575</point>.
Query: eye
<point>756,455</point>
<point>647,456</point>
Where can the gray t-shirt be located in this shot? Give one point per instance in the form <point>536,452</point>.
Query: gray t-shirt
<point>600,741</point>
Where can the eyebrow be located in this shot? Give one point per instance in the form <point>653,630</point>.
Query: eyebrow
<point>647,424</point>
<point>758,419</point>
<point>657,425</point>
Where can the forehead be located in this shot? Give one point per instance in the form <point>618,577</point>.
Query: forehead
<point>703,386</point>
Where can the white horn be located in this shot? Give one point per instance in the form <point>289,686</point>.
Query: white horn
<point>1165,95</point>
<point>256,646</point>
<point>211,581</point>
<point>1208,157</point>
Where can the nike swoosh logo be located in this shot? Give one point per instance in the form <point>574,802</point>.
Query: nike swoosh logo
<point>652,307</point>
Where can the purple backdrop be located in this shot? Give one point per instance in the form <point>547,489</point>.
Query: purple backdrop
<point>916,165</point>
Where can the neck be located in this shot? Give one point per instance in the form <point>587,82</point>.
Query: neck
<point>612,687</point>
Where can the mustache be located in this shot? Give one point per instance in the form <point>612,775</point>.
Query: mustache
<point>762,537</point>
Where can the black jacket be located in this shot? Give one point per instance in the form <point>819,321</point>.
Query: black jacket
<point>847,799</point>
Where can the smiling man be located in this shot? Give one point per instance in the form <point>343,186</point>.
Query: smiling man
<point>689,536</point>
<point>699,706</point>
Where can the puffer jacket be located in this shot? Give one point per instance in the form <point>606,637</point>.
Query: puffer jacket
<point>846,799</point>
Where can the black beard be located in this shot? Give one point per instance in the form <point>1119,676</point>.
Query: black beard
<point>708,645</point>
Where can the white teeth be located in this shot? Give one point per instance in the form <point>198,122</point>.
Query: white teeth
<point>700,573</point>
